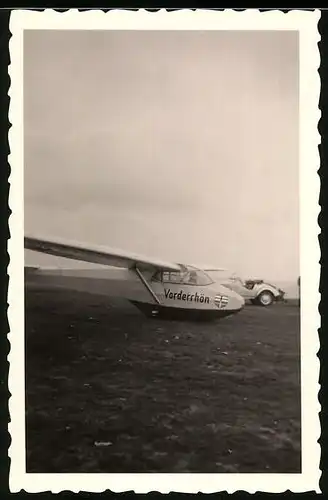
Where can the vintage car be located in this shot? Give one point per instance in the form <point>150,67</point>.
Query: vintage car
<point>257,291</point>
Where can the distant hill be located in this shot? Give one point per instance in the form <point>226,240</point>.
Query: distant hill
<point>290,287</point>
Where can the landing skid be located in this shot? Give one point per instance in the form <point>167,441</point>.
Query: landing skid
<point>174,313</point>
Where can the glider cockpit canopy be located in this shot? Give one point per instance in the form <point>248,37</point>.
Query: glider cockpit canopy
<point>188,275</point>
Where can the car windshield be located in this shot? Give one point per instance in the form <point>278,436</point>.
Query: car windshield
<point>189,276</point>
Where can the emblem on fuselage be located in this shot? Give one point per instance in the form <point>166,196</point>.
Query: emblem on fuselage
<point>221,301</point>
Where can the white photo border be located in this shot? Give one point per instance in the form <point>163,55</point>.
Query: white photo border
<point>305,22</point>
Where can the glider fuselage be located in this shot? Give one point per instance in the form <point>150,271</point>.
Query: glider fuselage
<point>163,294</point>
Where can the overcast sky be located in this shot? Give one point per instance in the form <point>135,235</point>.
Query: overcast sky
<point>178,145</point>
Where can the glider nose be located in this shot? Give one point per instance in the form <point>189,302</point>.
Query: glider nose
<point>236,301</point>
<point>233,300</point>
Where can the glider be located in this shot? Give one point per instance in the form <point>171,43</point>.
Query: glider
<point>157,288</point>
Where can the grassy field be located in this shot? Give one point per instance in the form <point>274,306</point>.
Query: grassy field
<point>109,390</point>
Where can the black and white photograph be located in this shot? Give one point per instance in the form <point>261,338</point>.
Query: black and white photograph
<point>164,256</point>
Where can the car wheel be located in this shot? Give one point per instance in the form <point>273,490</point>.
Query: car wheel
<point>265,298</point>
